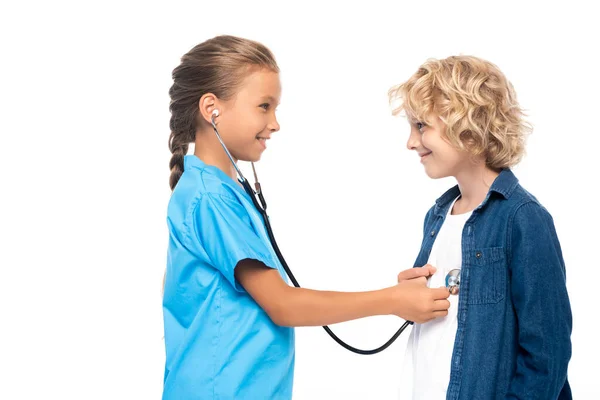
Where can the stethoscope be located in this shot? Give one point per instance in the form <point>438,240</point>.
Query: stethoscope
<point>452,278</point>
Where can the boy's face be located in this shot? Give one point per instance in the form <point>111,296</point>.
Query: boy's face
<point>438,156</point>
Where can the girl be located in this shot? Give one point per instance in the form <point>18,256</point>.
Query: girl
<point>507,334</point>
<point>228,311</point>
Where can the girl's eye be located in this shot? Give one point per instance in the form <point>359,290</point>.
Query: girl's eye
<point>420,126</point>
<point>265,106</point>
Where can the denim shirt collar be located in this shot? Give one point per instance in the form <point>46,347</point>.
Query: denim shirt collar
<point>504,185</point>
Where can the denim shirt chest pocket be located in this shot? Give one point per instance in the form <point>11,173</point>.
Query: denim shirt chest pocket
<point>485,271</point>
<point>486,275</point>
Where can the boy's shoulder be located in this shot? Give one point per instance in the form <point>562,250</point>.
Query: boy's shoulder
<point>522,195</point>
<point>527,208</point>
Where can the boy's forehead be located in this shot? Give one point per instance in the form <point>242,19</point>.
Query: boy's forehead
<point>412,118</point>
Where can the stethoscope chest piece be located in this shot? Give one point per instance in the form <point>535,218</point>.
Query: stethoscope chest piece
<point>453,281</point>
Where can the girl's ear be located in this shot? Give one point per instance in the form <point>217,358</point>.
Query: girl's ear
<point>208,104</point>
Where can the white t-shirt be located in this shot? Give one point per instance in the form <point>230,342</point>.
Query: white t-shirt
<point>430,345</point>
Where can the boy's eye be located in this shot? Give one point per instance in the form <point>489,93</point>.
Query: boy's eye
<point>265,106</point>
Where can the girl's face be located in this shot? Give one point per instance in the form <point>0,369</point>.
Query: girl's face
<point>248,120</point>
<point>438,156</point>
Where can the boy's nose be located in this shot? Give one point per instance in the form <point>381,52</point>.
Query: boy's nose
<point>413,141</point>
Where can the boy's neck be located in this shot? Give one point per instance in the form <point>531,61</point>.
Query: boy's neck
<point>474,184</point>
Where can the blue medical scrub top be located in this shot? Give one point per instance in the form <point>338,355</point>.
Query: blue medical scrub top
<point>219,343</point>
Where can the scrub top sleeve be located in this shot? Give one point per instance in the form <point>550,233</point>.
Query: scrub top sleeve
<point>224,231</point>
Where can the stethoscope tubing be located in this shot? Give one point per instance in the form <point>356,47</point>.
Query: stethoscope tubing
<point>262,209</point>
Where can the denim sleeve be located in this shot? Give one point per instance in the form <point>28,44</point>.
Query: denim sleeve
<point>539,295</point>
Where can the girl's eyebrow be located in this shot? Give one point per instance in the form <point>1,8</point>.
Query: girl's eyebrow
<point>270,98</point>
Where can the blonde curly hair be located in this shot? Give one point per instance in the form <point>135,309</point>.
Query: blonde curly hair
<point>475,101</point>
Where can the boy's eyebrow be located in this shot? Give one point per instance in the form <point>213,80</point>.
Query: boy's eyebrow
<point>413,120</point>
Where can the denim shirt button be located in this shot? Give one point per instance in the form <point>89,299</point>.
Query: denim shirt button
<point>478,255</point>
<point>433,233</point>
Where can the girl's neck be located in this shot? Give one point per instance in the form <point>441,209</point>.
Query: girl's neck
<point>211,152</point>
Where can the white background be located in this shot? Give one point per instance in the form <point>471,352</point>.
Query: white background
<point>84,164</point>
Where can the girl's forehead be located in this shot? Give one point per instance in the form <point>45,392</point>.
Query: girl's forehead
<point>262,83</point>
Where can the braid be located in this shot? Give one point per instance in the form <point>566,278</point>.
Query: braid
<point>183,132</point>
<point>179,149</point>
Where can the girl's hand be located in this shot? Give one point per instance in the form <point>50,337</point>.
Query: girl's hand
<point>414,301</point>
<point>412,273</point>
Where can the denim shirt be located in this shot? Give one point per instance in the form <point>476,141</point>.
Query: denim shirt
<point>514,316</point>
